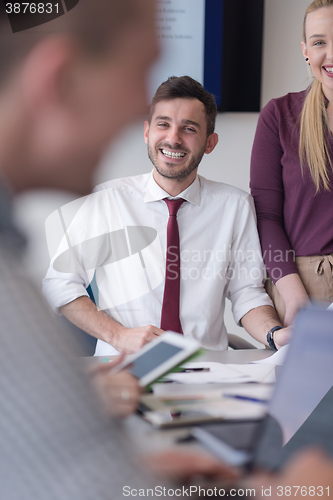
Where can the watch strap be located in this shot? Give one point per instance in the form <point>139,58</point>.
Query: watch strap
<point>270,339</point>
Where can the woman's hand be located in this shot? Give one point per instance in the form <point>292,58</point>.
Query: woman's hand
<point>294,295</point>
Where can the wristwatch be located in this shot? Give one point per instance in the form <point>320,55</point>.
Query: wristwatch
<point>270,339</point>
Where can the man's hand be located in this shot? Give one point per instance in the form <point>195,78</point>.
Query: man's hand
<point>119,392</point>
<point>258,321</point>
<point>131,340</point>
<point>84,314</point>
<point>308,474</point>
<point>282,337</point>
<point>182,465</point>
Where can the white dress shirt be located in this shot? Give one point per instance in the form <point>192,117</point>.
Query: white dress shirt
<point>115,239</point>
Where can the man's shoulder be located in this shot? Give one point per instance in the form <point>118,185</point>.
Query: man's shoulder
<point>222,190</point>
<point>132,183</point>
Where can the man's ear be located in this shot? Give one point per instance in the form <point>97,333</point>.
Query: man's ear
<point>212,140</point>
<point>146,131</point>
<point>46,73</point>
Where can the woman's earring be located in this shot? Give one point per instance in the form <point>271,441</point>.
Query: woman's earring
<point>306,60</point>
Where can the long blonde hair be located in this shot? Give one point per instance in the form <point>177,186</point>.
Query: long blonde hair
<point>313,148</point>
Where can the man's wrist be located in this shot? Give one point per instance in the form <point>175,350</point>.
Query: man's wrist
<point>114,331</point>
<point>270,336</point>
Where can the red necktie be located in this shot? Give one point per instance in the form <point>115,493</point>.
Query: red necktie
<point>170,309</point>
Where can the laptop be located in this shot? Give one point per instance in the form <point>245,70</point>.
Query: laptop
<point>300,412</point>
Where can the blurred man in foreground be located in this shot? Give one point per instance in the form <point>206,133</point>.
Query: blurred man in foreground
<point>66,88</point>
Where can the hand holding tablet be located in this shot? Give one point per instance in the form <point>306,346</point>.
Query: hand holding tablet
<point>159,357</point>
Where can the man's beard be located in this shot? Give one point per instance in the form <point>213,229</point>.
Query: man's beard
<point>178,175</point>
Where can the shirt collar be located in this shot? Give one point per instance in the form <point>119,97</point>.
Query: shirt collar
<point>154,192</point>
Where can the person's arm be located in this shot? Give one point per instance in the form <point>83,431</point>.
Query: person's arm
<point>182,465</point>
<point>294,295</point>
<point>83,313</point>
<point>260,320</point>
<point>268,190</point>
<point>252,308</point>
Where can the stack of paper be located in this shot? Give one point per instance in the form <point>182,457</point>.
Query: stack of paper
<point>219,372</point>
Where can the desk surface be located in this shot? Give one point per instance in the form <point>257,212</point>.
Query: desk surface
<point>240,356</point>
<point>150,439</point>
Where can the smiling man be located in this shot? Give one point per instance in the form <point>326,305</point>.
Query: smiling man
<point>177,136</point>
<point>177,245</point>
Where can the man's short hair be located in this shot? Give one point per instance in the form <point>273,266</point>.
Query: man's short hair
<point>185,87</point>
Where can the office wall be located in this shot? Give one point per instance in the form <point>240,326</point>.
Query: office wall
<point>284,70</point>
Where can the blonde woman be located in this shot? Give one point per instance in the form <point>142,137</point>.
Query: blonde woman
<point>292,177</point>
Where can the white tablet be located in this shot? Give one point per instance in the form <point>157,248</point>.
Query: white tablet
<point>159,357</point>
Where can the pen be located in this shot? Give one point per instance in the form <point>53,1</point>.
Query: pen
<point>245,398</point>
<point>189,370</point>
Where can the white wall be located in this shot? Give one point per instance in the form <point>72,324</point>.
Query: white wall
<point>284,70</point>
